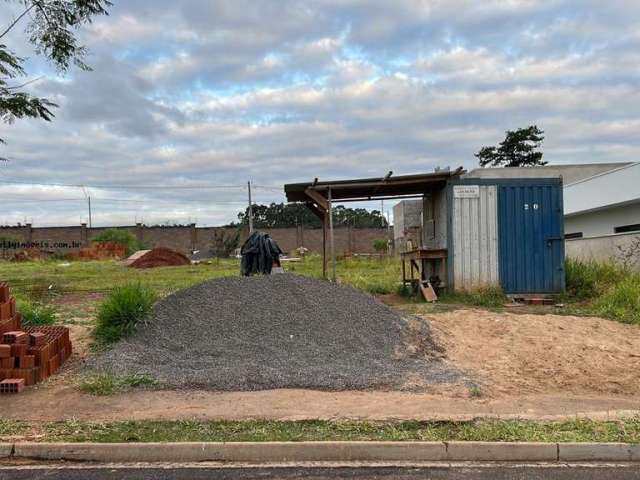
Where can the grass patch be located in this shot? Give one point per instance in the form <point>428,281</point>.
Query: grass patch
<point>488,297</point>
<point>622,301</point>
<point>607,289</point>
<point>577,430</point>
<point>34,313</point>
<point>585,280</point>
<point>120,313</point>
<point>104,384</point>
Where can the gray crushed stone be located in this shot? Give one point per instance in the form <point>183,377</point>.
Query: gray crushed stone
<point>280,331</point>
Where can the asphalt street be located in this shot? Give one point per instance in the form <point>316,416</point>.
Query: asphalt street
<point>466,471</point>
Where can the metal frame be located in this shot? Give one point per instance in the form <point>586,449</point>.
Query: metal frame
<point>383,188</point>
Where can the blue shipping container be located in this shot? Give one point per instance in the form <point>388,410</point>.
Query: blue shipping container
<point>531,236</point>
<point>508,232</point>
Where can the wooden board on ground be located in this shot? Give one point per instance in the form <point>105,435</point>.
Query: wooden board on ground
<point>428,292</point>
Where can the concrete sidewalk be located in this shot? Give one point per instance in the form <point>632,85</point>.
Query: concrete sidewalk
<point>362,451</point>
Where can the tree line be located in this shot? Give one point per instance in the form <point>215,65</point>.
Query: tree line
<point>284,215</point>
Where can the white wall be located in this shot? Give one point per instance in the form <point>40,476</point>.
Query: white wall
<point>602,222</point>
<point>602,249</point>
<point>605,190</point>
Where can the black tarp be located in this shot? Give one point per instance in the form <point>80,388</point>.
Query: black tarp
<point>259,253</point>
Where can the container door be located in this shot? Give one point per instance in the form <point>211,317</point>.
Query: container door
<point>530,220</point>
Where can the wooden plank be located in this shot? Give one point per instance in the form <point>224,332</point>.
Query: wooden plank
<point>428,292</point>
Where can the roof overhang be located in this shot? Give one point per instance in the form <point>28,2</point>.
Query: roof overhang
<point>370,188</point>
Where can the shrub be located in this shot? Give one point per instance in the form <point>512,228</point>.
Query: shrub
<point>120,236</point>
<point>585,280</point>
<point>380,245</point>
<point>121,312</point>
<point>34,314</point>
<point>622,301</point>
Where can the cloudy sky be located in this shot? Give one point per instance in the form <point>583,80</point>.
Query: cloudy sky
<point>215,93</point>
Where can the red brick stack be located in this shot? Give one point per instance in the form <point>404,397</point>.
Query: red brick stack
<point>31,355</point>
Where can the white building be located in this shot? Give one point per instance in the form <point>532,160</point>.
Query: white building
<point>607,203</point>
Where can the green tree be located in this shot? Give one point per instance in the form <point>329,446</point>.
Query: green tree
<point>520,148</point>
<point>283,215</point>
<point>50,26</point>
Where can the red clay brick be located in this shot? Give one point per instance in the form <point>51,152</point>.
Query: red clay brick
<point>28,361</point>
<point>12,385</point>
<point>5,351</point>
<point>8,362</point>
<point>5,293</point>
<point>15,337</point>
<point>37,339</point>
<point>12,307</point>
<point>19,349</point>
<point>5,311</point>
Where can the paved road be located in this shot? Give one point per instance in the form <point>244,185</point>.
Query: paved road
<point>463,471</point>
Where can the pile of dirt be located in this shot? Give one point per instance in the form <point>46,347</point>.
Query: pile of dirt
<point>101,251</point>
<point>280,331</point>
<point>158,257</point>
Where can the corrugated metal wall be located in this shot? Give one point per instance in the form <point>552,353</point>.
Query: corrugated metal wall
<point>531,238</point>
<point>475,238</point>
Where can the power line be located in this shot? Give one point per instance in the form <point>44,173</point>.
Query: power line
<point>126,187</point>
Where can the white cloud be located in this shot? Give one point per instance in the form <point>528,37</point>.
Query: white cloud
<point>192,92</point>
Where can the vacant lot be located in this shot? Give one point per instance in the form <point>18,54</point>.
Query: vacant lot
<point>530,363</point>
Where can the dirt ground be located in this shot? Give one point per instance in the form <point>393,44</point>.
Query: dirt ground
<point>516,354</point>
<point>526,366</point>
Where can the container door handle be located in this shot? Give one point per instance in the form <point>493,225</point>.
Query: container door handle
<point>553,239</point>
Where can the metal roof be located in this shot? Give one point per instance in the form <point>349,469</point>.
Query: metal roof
<point>372,188</point>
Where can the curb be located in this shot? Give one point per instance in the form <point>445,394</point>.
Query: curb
<point>274,452</point>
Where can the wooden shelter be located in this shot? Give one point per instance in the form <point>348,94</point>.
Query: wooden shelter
<point>319,196</point>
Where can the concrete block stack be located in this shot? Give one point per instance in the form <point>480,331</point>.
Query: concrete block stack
<point>30,355</point>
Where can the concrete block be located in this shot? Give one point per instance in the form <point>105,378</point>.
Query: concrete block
<point>236,451</point>
<point>613,452</point>
<point>502,451</point>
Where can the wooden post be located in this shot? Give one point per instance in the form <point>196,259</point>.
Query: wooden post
<point>324,246</point>
<point>333,251</point>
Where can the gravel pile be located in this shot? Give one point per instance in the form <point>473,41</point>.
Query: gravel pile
<point>279,331</point>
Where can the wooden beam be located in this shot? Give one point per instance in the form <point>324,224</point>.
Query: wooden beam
<point>316,211</point>
<point>317,198</point>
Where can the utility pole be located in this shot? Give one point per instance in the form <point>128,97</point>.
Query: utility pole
<point>250,208</point>
<point>89,199</point>
<point>86,194</point>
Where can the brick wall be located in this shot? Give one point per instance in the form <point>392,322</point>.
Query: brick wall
<point>187,238</point>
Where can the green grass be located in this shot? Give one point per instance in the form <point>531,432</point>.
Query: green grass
<point>35,313</point>
<point>489,297</point>
<point>592,289</point>
<point>585,280</point>
<point>577,430</point>
<point>606,289</point>
<point>621,302</point>
<point>104,384</point>
<point>120,313</point>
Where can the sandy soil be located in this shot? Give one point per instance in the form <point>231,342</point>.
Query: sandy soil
<point>528,366</point>
<point>515,354</point>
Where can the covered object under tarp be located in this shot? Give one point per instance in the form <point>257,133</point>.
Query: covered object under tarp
<point>259,253</point>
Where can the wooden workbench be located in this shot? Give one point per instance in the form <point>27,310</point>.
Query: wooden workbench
<point>424,263</point>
